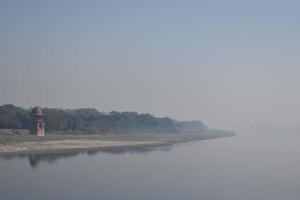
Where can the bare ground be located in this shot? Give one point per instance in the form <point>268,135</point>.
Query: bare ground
<point>23,145</point>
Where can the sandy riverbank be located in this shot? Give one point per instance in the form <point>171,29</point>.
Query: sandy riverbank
<point>68,145</point>
<point>24,145</point>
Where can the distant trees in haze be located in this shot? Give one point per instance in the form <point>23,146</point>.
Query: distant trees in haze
<point>91,121</point>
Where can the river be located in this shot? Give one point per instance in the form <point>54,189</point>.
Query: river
<point>244,167</point>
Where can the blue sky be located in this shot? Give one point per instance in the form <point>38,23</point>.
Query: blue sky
<point>224,62</point>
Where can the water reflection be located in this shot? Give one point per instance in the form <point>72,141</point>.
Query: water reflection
<point>36,159</point>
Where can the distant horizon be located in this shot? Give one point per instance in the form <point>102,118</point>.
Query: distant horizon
<point>250,126</point>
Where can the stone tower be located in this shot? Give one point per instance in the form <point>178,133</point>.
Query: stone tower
<point>38,124</point>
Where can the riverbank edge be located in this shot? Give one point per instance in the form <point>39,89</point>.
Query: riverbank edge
<point>38,145</point>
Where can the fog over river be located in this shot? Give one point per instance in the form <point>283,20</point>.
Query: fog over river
<point>247,166</point>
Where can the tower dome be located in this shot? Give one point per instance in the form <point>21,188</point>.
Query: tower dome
<point>37,111</point>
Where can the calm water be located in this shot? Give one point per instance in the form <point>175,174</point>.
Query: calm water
<point>238,168</point>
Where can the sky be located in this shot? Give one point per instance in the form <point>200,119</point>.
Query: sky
<point>224,62</point>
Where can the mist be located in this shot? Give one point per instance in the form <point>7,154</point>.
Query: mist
<point>225,64</point>
<point>157,99</point>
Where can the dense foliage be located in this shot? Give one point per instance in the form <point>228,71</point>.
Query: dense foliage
<point>91,121</point>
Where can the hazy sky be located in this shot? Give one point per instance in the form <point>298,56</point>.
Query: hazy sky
<point>223,62</point>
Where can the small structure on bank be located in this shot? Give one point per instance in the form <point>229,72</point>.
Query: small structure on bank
<point>38,124</point>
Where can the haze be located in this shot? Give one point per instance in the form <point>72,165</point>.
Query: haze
<point>223,62</point>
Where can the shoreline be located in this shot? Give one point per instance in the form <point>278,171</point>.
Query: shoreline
<point>59,144</point>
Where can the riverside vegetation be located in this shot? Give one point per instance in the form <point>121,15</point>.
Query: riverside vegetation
<point>90,121</point>
<point>85,129</point>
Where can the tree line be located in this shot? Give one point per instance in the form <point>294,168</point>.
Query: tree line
<point>90,120</point>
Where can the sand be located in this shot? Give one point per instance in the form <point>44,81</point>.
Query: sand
<point>27,145</point>
<point>69,145</point>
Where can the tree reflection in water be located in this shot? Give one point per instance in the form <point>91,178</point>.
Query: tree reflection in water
<point>35,160</point>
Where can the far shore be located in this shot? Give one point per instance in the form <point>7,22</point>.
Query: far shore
<point>55,144</point>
